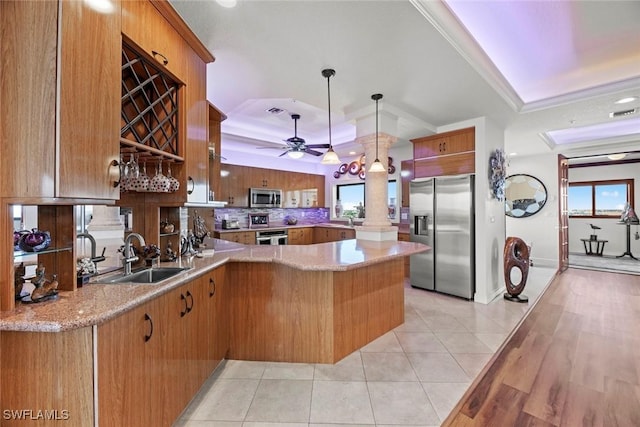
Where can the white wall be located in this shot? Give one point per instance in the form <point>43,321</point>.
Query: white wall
<point>539,230</point>
<point>490,225</point>
<point>610,230</point>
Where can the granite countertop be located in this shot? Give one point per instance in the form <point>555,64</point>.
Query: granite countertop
<point>96,303</point>
<point>286,226</point>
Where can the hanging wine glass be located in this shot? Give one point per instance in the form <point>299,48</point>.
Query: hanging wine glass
<point>124,172</point>
<point>133,174</point>
<point>174,184</point>
<point>159,182</point>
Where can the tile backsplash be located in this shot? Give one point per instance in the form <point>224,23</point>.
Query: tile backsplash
<point>276,216</point>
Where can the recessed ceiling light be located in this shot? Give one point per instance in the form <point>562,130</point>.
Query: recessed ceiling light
<point>352,153</point>
<point>617,156</point>
<point>626,100</point>
<point>513,154</point>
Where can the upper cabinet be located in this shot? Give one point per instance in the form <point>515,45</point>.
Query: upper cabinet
<point>154,31</point>
<point>449,153</point>
<point>215,145</point>
<point>60,111</point>
<point>153,34</point>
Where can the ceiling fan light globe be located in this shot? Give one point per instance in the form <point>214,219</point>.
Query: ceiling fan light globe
<point>377,167</point>
<point>295,154</point>
<point>330,158</point>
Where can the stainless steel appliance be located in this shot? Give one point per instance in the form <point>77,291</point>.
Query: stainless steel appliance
<point>442,215</point>
<point>265,198</point>
<point>230,224</point>
<point>271,237</point>
<point>258,220</point>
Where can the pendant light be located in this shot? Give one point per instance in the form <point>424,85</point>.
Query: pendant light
<point>376,166</point>
<point>330,157</point>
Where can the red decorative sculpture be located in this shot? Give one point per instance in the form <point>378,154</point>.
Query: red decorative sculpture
<point>516,255</point>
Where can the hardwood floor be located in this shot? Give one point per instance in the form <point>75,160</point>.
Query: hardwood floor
<point>573,361</point>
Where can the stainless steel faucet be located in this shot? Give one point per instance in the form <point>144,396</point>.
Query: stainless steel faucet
<point>94,258</point>
<point>128,259</point>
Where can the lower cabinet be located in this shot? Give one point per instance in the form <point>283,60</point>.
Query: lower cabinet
<point>154,358</point>
<point>300,236</point>
<point>404,237</point>
<point>244,237</point>
<point>332,234</point>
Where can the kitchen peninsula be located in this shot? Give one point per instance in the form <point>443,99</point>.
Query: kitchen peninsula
<point>309,303</point>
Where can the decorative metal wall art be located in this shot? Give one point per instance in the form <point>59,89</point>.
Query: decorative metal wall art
<point>497,173</point>
<point>358,168</point>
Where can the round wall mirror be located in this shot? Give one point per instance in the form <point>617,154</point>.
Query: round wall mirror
<point>525,195</point>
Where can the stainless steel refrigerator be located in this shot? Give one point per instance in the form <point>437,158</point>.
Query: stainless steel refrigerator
<point>442,215</point>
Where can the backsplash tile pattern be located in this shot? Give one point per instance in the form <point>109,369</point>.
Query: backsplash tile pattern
<point>276,216</point>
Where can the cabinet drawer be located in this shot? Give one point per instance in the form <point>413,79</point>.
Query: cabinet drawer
<point>445,165</point>
<point>458,141</point>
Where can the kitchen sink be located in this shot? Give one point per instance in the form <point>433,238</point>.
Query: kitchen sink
<point>148,275</point>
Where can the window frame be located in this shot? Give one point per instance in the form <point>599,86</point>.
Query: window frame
<point>393,181</point>
<point>593,184</point>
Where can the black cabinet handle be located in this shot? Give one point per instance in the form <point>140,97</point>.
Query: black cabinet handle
<point>150,320</point>
<point>444,146</point>
<point>212,283</point>
<point>186,306</point>
<point>115,163</point>
<point>190,307</point>
<point>155,53</point>
<point>193,185</point>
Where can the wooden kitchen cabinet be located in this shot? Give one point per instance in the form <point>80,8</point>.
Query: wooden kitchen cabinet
<point>61,113</point>
<point>300,236</point>
<point>153,359</point>
<point>406,176</point>
<point>235,185</point>
<point>197,131</point>
<point>405,237</point>
<point>152,33</point>
<point>244,237</point>
<point>47,371</point>
<point>449,153</point>
<point>457,141</point>
<point>216,117</point>
<point>132,367</point>
<point>332,234</point>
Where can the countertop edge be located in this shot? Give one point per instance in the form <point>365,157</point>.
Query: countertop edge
<point>96,303</point>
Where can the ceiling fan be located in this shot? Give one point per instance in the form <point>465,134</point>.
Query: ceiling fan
<point>296,146</point>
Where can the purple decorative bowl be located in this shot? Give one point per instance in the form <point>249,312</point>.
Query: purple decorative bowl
<point>34,241</point>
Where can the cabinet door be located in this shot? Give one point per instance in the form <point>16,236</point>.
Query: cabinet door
<point>458,141</point>
<point>445,165</point>
<point>216,117</point>
<point>219,317</point>
<point>197,141</point>
<point>27,110</point>
<point>131,367</point>
<point>90,87</point>
<point>73,159</point>
<point>147,28</point>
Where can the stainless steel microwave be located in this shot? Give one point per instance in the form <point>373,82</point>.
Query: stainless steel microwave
<point>265,198</point>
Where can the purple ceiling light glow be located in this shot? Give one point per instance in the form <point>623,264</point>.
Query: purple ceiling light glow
<point>615,129</point>
<point>536,47</point>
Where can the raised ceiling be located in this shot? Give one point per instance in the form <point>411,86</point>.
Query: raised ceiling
<point>530,67</point>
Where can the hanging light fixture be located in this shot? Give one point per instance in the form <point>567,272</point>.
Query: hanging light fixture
<point>376,166</point>
<point>330,157</point>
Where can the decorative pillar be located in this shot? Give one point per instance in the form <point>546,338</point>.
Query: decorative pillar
<point>376,225</point>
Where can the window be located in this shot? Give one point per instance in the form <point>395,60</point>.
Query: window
<point>352,195</point>
<point>599,199</point>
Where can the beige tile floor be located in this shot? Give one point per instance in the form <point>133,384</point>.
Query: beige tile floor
<point>413,375</point>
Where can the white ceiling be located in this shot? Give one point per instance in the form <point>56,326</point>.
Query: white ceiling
<point>543,66</point>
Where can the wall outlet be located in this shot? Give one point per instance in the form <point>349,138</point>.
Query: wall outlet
<point>404,215</point>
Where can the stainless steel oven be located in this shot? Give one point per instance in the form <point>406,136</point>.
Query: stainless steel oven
<point>271,237</point>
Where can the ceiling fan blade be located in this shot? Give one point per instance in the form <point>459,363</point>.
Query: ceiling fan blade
<point>317,145</point>
<point>314,152</point>
<point>273,148</point>
<point>283,153</point>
